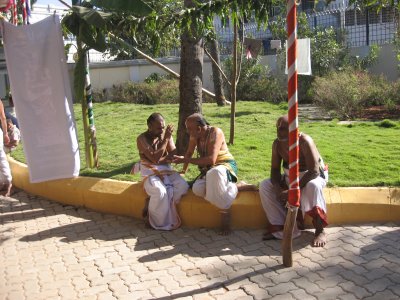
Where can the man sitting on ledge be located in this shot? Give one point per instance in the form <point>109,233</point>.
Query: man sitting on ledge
<point>164,186</point>
<point>217,180</point>
<point>274,191</point>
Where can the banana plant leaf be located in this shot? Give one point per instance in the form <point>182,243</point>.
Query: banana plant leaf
<point>92,16</point>
<point>88,24</point>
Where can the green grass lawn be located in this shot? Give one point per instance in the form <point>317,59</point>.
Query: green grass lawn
<point>360,154</point>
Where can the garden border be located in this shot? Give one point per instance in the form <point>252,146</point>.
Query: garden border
<point>348,205</point>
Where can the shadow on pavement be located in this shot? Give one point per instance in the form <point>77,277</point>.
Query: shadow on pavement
<point>223,284</point>
<point>83,224</point>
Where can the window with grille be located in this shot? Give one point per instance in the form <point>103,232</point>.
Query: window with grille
<point>349,18</point>
<point>361,17</point>
<point>387,14</point>
<point>373,16</point>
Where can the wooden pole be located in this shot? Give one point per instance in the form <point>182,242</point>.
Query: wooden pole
<point>233,83</point>
<point>294,188</point>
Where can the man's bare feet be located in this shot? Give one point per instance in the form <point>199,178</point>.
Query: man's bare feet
<point>225,222</point>
<point>8,190</point>
<point>320,235</point>
<point>5,189</point>
<point>319,239</point>
<point>243,186</point>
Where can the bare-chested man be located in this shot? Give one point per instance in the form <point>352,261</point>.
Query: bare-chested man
<point>164,186</point>
<point>217,181</point>
<point>274,191</point>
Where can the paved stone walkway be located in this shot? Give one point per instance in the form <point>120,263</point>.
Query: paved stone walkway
<point>53,251</point>
<point>310,112</point>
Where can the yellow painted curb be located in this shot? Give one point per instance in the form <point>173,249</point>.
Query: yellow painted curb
<point>345,205</point>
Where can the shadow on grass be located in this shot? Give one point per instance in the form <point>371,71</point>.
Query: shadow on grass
<point>237,114</point>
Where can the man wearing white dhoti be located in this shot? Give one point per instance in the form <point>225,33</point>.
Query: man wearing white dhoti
<point>164,186</point>
<point>313,178</point>
<point>5,172</point>
<point>217,180</point>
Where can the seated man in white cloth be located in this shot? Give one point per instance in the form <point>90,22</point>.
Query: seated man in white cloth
<point>217,180</point>
<point>274,191</point>
<point>164,186</point>
<point>5,172</point>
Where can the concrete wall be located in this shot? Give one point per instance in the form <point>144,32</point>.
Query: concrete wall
<point>106,74</point>
<point>387,63</point>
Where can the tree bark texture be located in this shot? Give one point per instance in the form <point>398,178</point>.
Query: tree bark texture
<point>233,84</point>
<point>216,74</point>
<point>190,82</point>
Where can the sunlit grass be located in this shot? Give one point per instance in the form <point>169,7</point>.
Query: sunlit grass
<point>360,154</point>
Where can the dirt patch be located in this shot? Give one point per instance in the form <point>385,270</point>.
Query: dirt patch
<point>380,112</point>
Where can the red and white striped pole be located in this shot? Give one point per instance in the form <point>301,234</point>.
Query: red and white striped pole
<point>294,188</point>
<point>14,12</point>
<point>24,14</point>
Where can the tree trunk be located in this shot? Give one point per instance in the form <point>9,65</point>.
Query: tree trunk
<point>190,82</point>
<point>233,84</point>
<point>217,76</point>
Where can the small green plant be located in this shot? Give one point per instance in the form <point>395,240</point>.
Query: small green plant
<point>386,124</point>
<point>157,77</point>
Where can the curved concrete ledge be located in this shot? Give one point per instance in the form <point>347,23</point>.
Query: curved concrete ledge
<point>345,205</point>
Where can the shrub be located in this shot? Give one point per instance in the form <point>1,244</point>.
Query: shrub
<point>256,83</point>
<point>395,93</point>
<point>262,89</point>
<point>378,90</point>
<point>347,93</point>
<point>386,123</point>
<point>340,92</point>
<point>162,91</point>
<point>157,77</point>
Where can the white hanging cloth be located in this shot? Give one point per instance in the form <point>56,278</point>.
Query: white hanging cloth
<point>40,86</point>
<point>303,57</point>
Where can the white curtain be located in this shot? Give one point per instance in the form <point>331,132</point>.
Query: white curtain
<point>41,91</point>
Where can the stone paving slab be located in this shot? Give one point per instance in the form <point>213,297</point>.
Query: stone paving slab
<point>54,251</point>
